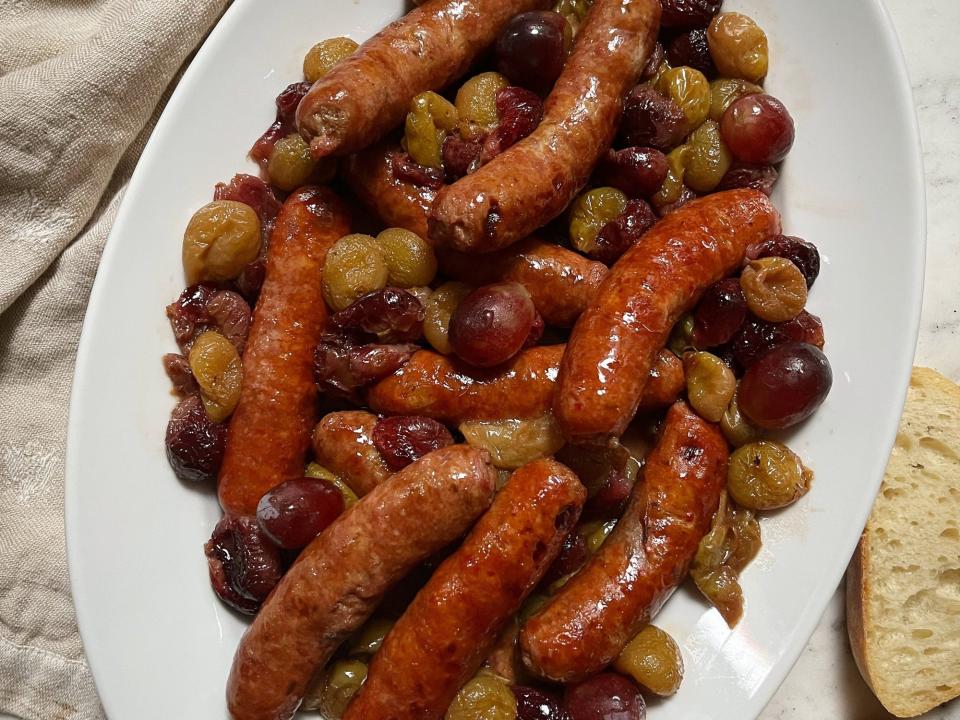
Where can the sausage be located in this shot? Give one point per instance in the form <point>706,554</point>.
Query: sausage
<point>616,339</point>
<point>532,182</point>
<point>269,432</point>
<point>587,624</point>
<point>561,282</point>
<point>665,382</point>
<point>343,443</point>
<point>396,202</point>
<point>447,631</point>
<point>338,580</point>
<point>367,94</point>
<point>447,389</point>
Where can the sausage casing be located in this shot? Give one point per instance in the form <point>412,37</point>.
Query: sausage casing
<point>447,631</point>
<point>367,94</point>
<point>533,181</point>
<point>343,443</point>
<point>615,340</point>
<point>590,620</point>
<point>339,579</point>
<point>269,432</point>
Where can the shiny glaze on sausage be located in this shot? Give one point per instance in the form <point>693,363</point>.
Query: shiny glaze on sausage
<point>590,620</point>
<point>343,444</point>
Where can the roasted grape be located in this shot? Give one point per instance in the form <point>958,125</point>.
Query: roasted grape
<point>690,90</point>
<point>736,428</point>
<point>653,659</point>
<point>744,175</point>
<point>244,565</point>
<point>725,91</point>
<point>220,239</point>
<point>535,704</point>
<point>341,366</point>
<point>354,267</point>
<point>710,384</point>
<point>514,442</point>
<point>651,120</point>
<point>708,159</point>
<point>691,49</point>
<point>774,288</point>
<point>520,111</point>
<point>390,315</point>
<point>476,104</point>
<point>739,47</point>
<point>291,163</point>
<point>624,231</point>
<point>438,310</point>
<point>758,336</point>
<point>296,511</point>
<point>194,442</point>
<point>636,171</point>
<point>532,49</point>
<point>430,118</point>
<point>216,366</point>
<point>606,696</point>
<point>321,58</point>
<point>572,556</point>
<point>686,14</point>
<point>590,212</point>
<point>766,475</point>
<point>486,697</point>
<point>340,683</point>
<point>492,323</point>
<point>720,313</point>
<point>405,438</point>
<point>785,386</point>
<point>801,253</point>
<point>758,129</point>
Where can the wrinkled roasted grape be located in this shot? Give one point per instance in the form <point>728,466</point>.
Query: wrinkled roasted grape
<point>720,313</point>
<point>710,384</point>
<point>691,49</point>
<point>535,704</point>
<point>296,511</point>
<point>405,438</point>
<point>438,310</point>
<point>589,212</point>
<point>638,172</point>
<point>743,175</point>
<point>690,90</point>
<point>798,251</point>
<point>230,314</point>
<point>491,324</point>
<point>686,14</point>
<point>515,442</point>
<point>686,195</point>
<point>520,112</point>
<point>672,189</point>
<point>572,556</point>
<point>340,683</point>
<point>177,368</point>
<point>758,336</point>
<point>405,169</point>
<point>532,49</point>
<point>354,267</point>
<point>194,442</point>
<point>651,120</point>
<point>652,658</point>
<point>430,118</point>
<point>766,475</point>
<point>321,58</point>
<point>392,315</point>
<point>736,428</point>
<point>785,386</point>
<point>620,234</point>
<point>291,164</point>
<point>215,364</point>
<point>486,697</point>
<point>708,159</point>
<point>285,123</point>
<point>220,239</point>
<point>188,314</point>
<point>774,288</point>
<point>251,279</point>
<point>252,191</point>
<point>460,157</point>
<point>655,60</point>
<point>725,91</point>
<point>606,696</point>
<point>244,566</point>
<point>758,129</point>
<point>476,102</point>
<point>342,366</point>
<point>738,46</point>
<point>369,638</point>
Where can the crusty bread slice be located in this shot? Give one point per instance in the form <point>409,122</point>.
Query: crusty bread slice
<point>903,585</point>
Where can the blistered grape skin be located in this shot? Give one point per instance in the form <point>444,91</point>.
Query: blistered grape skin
<point>758,129</point>
<point>652,120</point>
<point>535,704</point>
<point>691,49</point>
<point>798,251</point>
<point>194,442</point>
<point>744,175</point>
<point>606,696</point>
<point>391,315</point>
<point>405,438</point>
<point>341,366</point>
<point>626,230</point>
<point>720,313</point>
<point>687,14</point>
<point>492,323</point>
<point>572,556</point>
<point>296,511</point>
<point>244,565</point>
<point>636,171</point>
<point>785,386</point>
<point>531,50</point>
<point>520,111</point>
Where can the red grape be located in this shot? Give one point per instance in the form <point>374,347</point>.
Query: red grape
<point>492,323</point>
<point>651,119</point>
<point>758,336</point>
<point>391,315</point>
<point>405,438</point>
<point>296,511</point>
<point>244,566</point>
<point>785,386</point>
<point>637,171</point>
<point>744,175</point>
<point>531,50</point>
<point>719,314</point>
<point>691,49</point>
<point>620,234</point>
<point>194,442</point>
<point>688,13</point>
<point>798,251</point>
<point>606,696</point>
<point>758,129</point>
<point>534,704</point>
<point>572,557</point>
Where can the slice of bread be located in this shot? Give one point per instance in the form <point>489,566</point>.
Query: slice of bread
<point>903,585</point>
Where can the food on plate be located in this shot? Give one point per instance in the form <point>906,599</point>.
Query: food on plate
<point>444,635</point>
<point>902,582</point>
<point>337,581</point>
<point>367,94</point>
<point>532,182</point>
<point>467,448</point>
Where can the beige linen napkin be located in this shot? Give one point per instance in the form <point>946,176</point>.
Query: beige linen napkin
<point>81,85</point>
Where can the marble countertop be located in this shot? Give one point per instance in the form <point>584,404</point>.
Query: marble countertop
<point>825,683</point>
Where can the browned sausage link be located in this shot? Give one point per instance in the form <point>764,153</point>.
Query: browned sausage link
<point>561,282</point>
<point>270,430</point>
<point>531,183</point>
<point>366,95</point>
<point>448,629</point>
<point>448,390</point>
<point>665,383</point>
<point>397,203</point>
<point>587,624</point>
<point>616,339</point>
<point>339,579</point>
<point>343,443</point>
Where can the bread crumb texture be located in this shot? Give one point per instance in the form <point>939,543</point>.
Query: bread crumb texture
<point>904,583</point>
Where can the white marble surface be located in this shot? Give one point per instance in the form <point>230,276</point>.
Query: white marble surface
<point>825,683</point>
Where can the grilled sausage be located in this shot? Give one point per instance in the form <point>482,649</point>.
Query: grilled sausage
<point>343,443</point>
<point>269,432</point>
<point>586,625</point>
<point>368,93</point>
<point>339,579</point>
<point>449,628</point>
<point>532,182</point>
<point>447,389</point>
<point>616,339</point>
